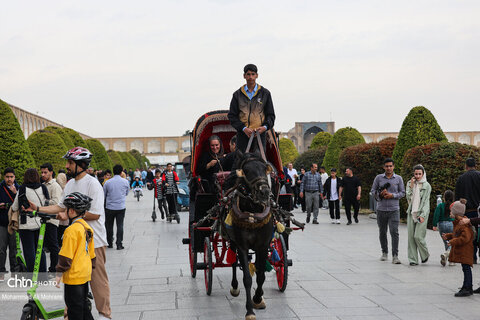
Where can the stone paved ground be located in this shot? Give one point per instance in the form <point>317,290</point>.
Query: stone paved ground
<point>336,274</point>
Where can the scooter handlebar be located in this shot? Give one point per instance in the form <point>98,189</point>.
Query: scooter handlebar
<point>41,215</point>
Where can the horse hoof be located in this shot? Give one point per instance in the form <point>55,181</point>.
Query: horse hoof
<point>250,317</point>
<point>261,305</point>
<point>234,292</point>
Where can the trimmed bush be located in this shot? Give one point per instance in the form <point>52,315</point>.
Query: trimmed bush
<point>366,160</point>
<point>342,139</point>
<point>321,139</point>
<point>145,160</point>
<point>65,137</point>
<point>128,160</point>
<point>288,152</point>
<point>47,146</point>
<point>419,128</point>
<point>308,157</point>
<point>14,149</point>
<point>138,158</point>
<point>443,162</point>
<point>115,158</point>
<point>102,160</point>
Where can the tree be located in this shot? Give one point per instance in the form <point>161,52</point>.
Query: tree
<point>321,139</point>
<point>128,160</point>
<point>47,146</point>
<point>288,152</point>
<point>138,158</point>
<point>115,158</point>
<point>306,159</point>
<point>14,149</point>
<point>443,162</point>
<point>419,128</point>
<point>102,160</point>
<point>65,137</point>
<point>366,160</point>
<point>342,139</point>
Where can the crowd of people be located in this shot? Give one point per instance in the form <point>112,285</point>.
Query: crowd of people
<point>87,203</point>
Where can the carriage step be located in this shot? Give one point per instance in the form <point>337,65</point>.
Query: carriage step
<point>289,262</point>
<point>201,266</point>
<point>186,240</point>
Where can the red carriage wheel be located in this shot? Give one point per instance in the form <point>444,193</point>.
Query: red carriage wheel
<point>207,259</point>
<point>281,266</point>
<point>192,253</point>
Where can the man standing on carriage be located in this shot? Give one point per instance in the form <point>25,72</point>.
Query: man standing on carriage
<point>251,109</point>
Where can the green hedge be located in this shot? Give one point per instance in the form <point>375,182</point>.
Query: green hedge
<point>14,150</point>
<point>145,160</point>
<point>342,139</point>
<point>138,158</point>
<point>366,160</point>
<point>443,162</point>
<point>115,158</point>
<point>321,139</point>
<point>47,146</point>
<point>63,134</point>
<point>128,160</point>
<point>308,157</point>
<point>102,160</point>
<point>419,128</point>
<point>288,152</point>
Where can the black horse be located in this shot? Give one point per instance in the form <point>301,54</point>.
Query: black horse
<point>252,226</point>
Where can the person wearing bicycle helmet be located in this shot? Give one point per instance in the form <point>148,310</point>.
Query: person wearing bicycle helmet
<point>77,257</point>
<point>78,160</point>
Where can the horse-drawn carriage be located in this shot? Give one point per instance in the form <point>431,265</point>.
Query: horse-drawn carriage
<point>241,217</point>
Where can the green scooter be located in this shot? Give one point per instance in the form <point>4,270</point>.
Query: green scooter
<point>34,310</point>
<point>21,265</point>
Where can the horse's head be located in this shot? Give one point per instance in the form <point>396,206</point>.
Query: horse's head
<point>254,171</point>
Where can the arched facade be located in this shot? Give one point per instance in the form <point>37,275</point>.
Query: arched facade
<point>154,146</point>
<point>171,146</point>
<point>137,145</point>
<point>120,145</point>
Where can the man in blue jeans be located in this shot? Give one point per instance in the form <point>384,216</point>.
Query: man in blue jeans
<point>116,190</point>
<point>388,189</point>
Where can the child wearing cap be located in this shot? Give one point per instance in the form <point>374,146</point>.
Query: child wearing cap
<point>461,243</point>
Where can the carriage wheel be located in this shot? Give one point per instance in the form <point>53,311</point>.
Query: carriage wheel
<point>207,259</point>
<point>281,266</point>
<point>192,254</point>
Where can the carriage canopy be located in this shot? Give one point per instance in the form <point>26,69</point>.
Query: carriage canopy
<point>217,123</point>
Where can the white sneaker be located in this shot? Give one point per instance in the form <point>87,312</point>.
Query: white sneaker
<point>451,263</point>
<point>333,221</point>
<point>337,222</point>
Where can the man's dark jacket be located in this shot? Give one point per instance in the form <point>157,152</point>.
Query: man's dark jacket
<point>5,198</point>
<point>251,113</point>
<point>327,187</point>
<point>468,187</point>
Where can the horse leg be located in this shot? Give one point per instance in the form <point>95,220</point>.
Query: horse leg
<point>234,291</point>
<point>260,262</point>
<point>247,283</point>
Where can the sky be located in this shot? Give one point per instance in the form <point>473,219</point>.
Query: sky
<point>152,68</point>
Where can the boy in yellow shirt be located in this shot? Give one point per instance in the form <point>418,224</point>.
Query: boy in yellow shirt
<point>76,257</point>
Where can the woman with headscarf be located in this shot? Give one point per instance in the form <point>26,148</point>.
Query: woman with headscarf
<point>418,197</point>
<point>209,163</point>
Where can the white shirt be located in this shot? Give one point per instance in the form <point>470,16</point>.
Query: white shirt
<point>292,174</point>
<point>324,177</point>
<point>333,190</point>
<point>89,186</point>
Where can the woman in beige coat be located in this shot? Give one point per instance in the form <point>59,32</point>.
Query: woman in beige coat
<point>418,197</point>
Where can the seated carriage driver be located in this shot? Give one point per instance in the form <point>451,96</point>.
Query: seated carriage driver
<point>251,110</point>
<point>211,162</point>
<point>229,158</point>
